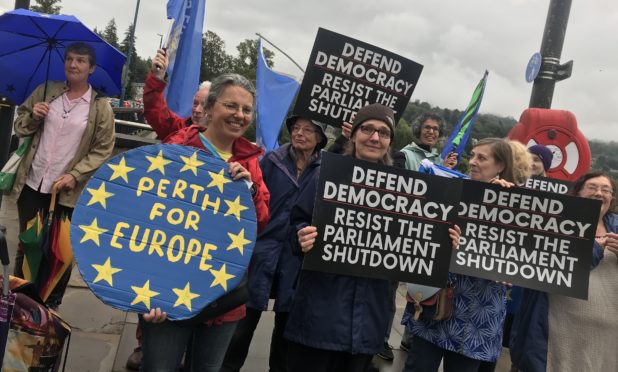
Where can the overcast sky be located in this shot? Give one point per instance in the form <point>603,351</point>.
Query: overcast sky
<point>455,41</point>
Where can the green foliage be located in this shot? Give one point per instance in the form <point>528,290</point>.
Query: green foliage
<point>46,6</point>
<point>138,67</point>
<point>216,61</point>
<point>110,34</point>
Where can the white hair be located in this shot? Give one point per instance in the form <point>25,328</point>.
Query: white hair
<point>204,84</point>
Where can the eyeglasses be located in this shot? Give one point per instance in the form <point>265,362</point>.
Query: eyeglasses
<point>368,130</point>
<point>233,108</point>
<point>297,129</point>
<point>430,129</point>
<point>593,189</point>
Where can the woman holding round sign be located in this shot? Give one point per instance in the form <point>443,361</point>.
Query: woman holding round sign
<point>337,322</point>
<point>558,333</point>
<point>465,339</point>
<point>229,110</point>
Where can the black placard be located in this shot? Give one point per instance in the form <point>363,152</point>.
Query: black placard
<point>549,184</point>
<point>345,74</point>
<point>382,222</point>
<point>530,238</point>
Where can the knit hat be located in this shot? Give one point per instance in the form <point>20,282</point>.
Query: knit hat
<point>374,111</point>
<point>322,141</point>
<point>544,153</point>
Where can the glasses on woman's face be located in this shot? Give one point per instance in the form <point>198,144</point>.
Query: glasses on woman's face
<point>429,128</point>
<point>297,129</point>
<point>369,130</point>
<point>593,189</point>
<point>233,108</point>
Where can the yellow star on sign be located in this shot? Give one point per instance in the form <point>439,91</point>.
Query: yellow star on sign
<point>238,241</point>
<point>234,208</point>
<point>218,180</point>
<point>184,296</point>
<point>92,232</point>
<point>99,195</point>
<point>105,272</point>
<point>221,277</point>
<point>157,162</point>
<point>191,163</point>
<point>143,294</point>
<point>120,170</point>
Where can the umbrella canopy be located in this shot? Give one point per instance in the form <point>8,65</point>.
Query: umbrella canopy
<point>47,249</point>
<point>32,51</point>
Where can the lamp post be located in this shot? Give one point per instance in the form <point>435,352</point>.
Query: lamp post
<point>125,72</point>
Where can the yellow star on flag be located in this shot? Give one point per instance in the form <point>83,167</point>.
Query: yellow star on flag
<point>92,232</point>
<point>221,277</point>
<point>157,162</point>
<point>184,296</point>
<point>120,170</point>
<point>143,294</point>
<point>191,163</point>
<point>99,195</point>
<point>234,208</point>
<point>238,241</point>
<point>218,180</point>
<point>105,272</point>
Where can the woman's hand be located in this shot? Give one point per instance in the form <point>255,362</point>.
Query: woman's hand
<point>454,233</point>
<point>237,172</point>
<point>346,129</point>
<point>40,110</point>
<point>155,316</point>
<point>66,182</point>
<point>501,182</point>
<point>611,243</point>
<point>306,238</point>
<point>159,64</point>
<point>451,160</point>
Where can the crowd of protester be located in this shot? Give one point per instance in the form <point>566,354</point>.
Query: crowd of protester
<point>323,322</point>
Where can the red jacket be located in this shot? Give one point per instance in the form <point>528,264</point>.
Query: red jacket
<point>173,129</point>
<point>163,120</point>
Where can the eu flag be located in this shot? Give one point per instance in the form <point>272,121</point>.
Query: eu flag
<point>184,50</point>
<point>275,93</point>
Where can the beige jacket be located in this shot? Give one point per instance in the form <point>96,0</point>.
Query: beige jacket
<point>93,150</point>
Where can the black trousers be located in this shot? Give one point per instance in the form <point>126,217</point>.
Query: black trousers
<point>426,357</point>
<point>29,203</point>
<point>239,346</point>
<point>303,358</point>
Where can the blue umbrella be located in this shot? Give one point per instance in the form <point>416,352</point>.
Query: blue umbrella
<point>32,52</point>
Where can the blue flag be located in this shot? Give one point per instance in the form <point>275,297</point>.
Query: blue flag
<point>458,139</point>
<point>275,93</point>
<point>184,50</point>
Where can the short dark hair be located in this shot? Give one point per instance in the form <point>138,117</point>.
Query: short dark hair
<point>579,185</point>
<point>82,48</point>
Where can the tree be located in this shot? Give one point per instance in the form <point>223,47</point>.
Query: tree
<point>46,6</point>
<point>110,34</point>
<point>246,62</point>
<point>215,61</point>
<point>132,67</point>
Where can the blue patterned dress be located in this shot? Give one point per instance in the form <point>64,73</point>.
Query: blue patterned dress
<point>475,328</point>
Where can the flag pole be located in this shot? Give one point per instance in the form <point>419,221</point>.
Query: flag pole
<point>284,53</point>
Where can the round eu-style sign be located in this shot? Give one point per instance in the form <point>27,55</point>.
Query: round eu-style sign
<point>163,226</point>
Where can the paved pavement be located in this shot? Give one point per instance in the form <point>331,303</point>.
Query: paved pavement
<point>103,337</point>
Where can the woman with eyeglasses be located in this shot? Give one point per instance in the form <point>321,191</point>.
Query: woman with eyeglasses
<point>473,333</point>
<point>229,111</point>
<point>337,322</point>
<point>427,130</point>
<point>558,333</point>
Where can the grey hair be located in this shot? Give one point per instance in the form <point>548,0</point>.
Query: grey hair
<point>221,82</point>
<point>205,85</point>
